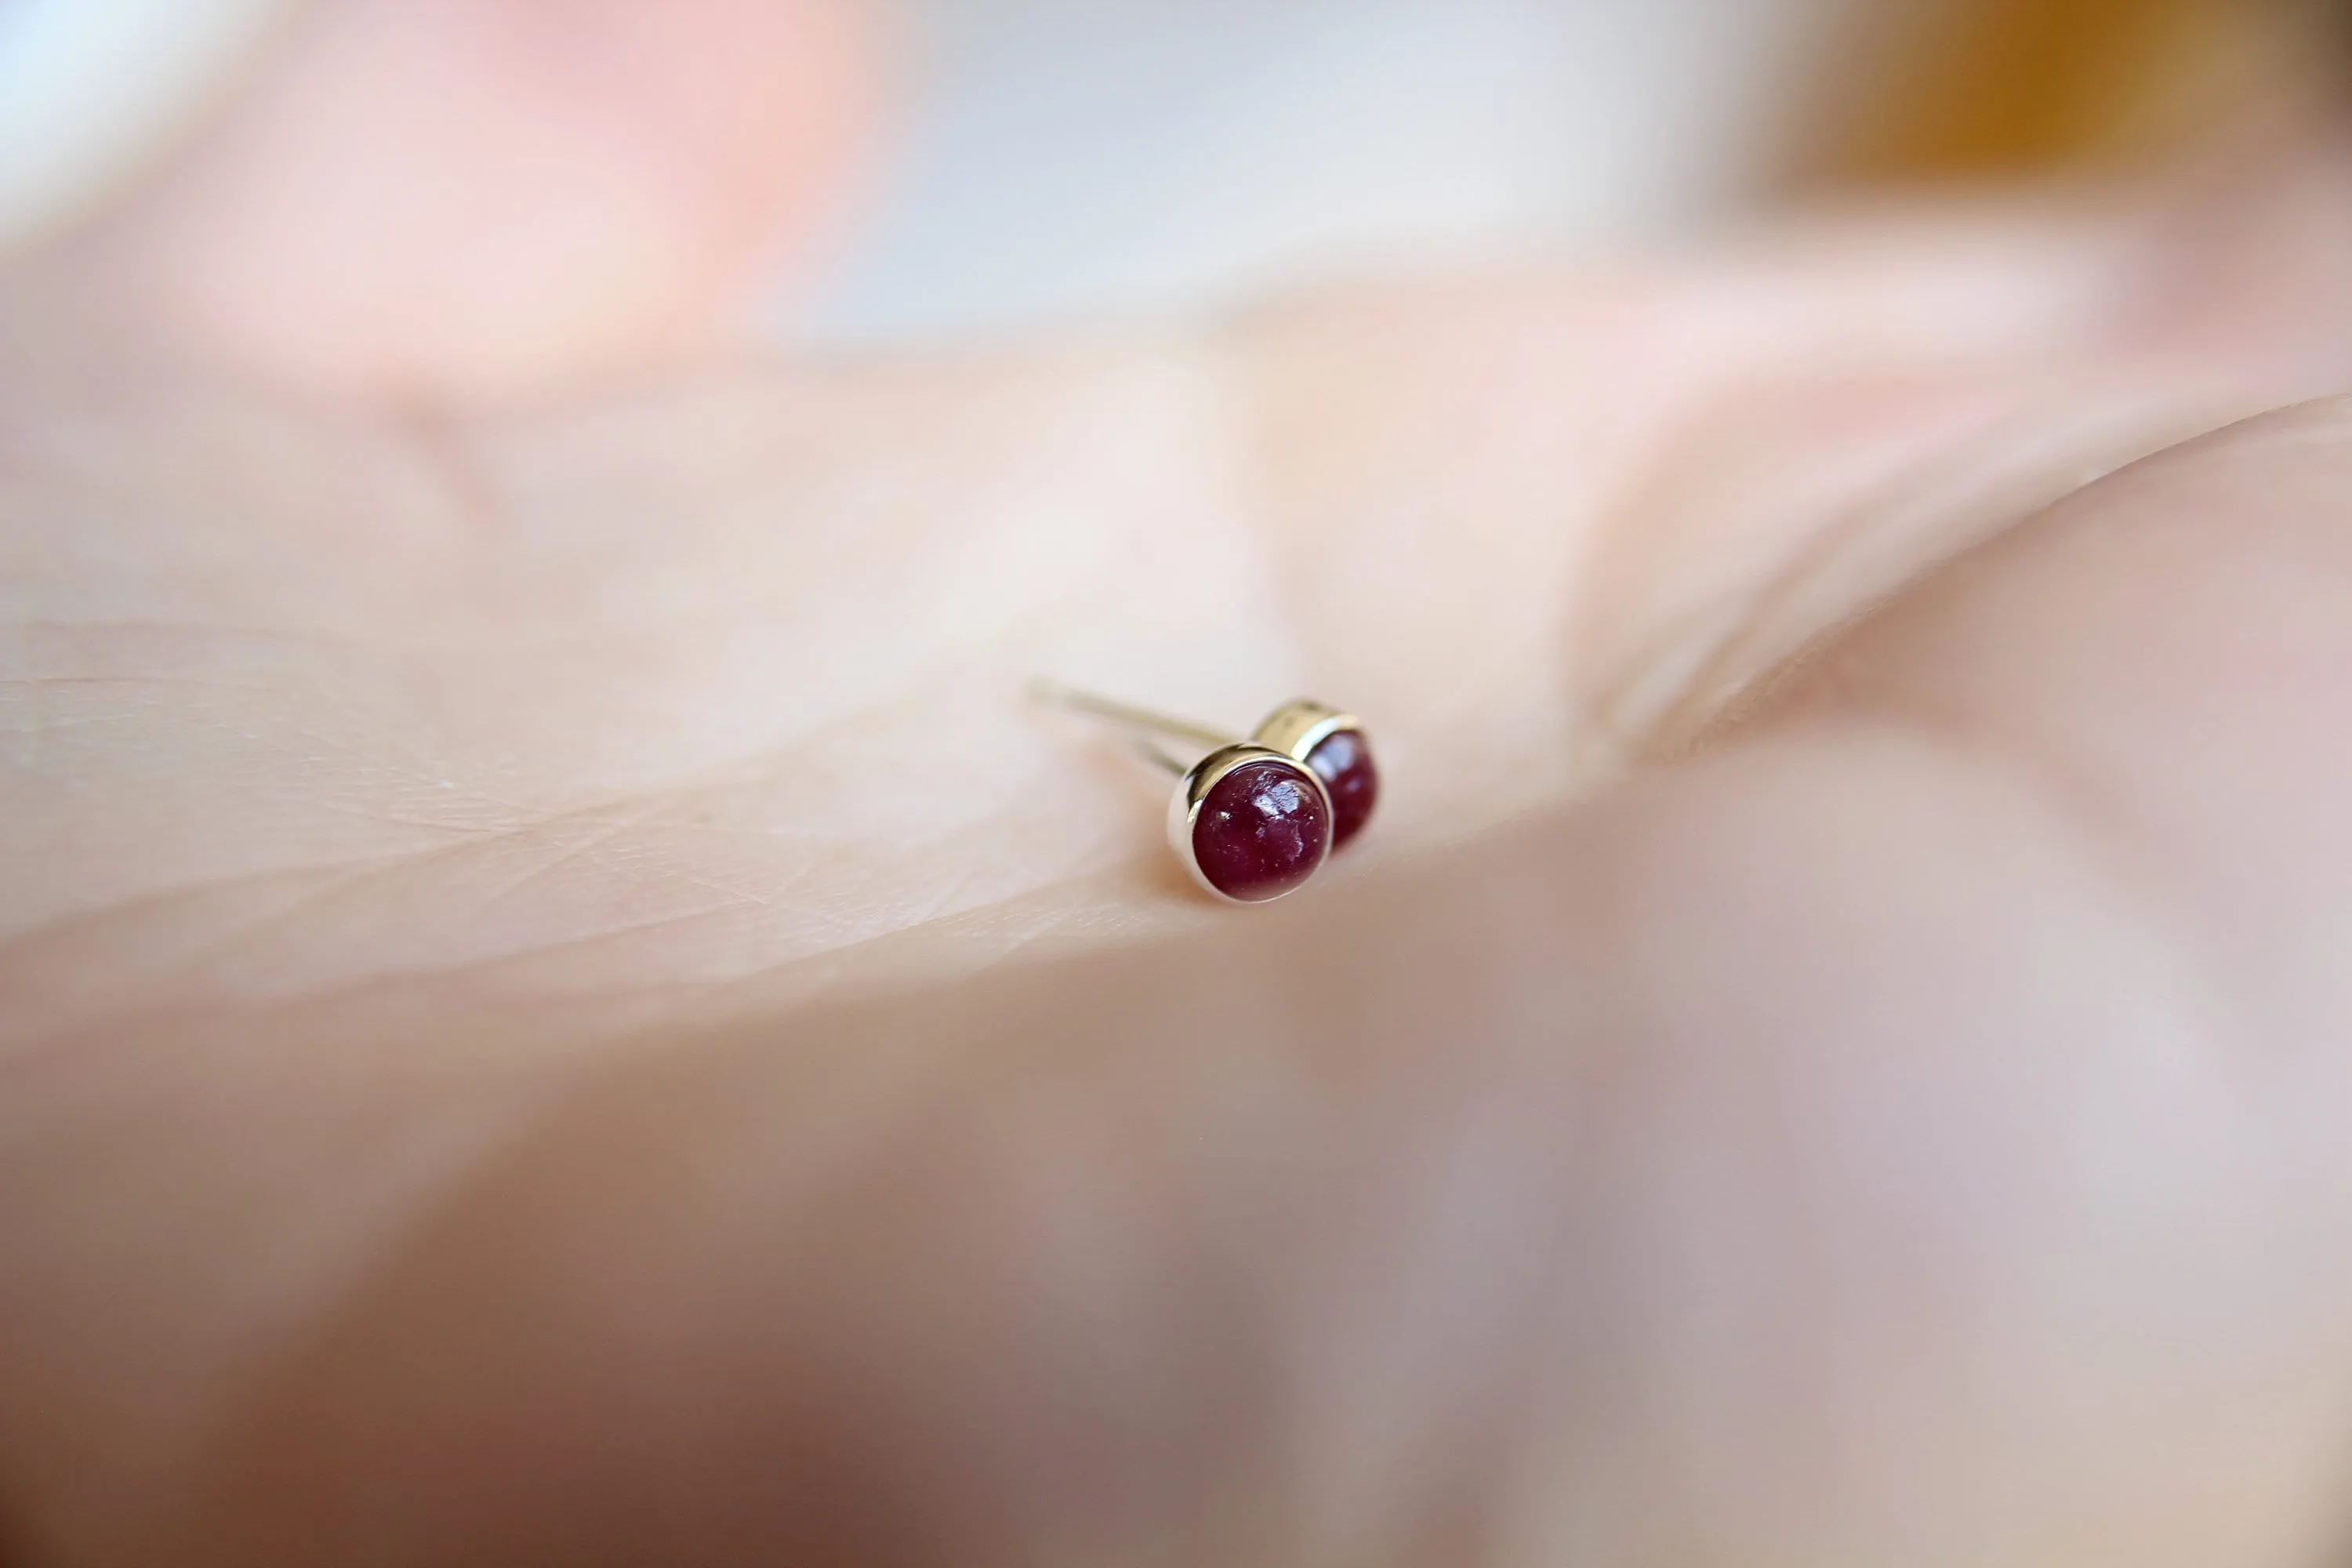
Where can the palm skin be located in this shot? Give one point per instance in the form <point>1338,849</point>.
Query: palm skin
<point>560,1007</point>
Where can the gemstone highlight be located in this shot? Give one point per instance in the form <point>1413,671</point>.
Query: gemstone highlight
<point>1264,829</point>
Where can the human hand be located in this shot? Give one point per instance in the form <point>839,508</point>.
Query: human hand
<point>559,1008</point>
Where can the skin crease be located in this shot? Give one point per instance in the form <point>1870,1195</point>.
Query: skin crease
<point>558,1009</point>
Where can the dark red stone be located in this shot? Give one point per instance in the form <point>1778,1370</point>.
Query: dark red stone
<point>1343,759</point>
<point>1263,831</point>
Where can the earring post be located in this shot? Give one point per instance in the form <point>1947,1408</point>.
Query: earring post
<point>1159,759</point>
<point>1133,717</point>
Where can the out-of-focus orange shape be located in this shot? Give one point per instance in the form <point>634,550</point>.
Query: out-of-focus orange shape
<point>1961,89</point>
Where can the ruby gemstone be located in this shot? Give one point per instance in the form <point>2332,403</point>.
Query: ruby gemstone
<point>1344,762</point>
<point>1263,830</point>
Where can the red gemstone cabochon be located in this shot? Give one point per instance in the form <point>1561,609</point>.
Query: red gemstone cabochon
<point>1263,830</point>
<point>1344,762</point>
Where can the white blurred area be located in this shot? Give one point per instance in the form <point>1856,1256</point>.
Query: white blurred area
<point>89,88</point>
<point>1069,160</point>
<point>1092,158</point>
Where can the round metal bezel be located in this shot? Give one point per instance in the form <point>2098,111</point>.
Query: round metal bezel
<point>1193,794</point>
<point>1296,728</point>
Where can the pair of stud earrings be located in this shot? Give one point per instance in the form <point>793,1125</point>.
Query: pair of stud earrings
<point>1255,818</point>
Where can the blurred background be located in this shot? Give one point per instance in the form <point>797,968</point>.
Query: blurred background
<point>1049,160</point>
<point>1134,156</point>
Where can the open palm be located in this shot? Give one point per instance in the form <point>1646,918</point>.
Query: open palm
<point>560,1007</point>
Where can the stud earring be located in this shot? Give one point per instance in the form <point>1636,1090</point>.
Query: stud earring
<point>1331,744</point>
<point>1253,820</point>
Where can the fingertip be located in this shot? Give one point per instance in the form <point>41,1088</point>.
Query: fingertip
<point>482,199</point>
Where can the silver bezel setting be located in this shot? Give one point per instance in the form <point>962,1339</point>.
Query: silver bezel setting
<point>1193,794</point>
<point>1296,728</point>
